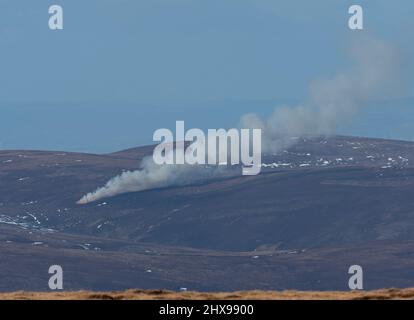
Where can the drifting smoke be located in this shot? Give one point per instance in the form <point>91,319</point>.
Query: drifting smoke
<point>330,103</point>
<point>151,175</point>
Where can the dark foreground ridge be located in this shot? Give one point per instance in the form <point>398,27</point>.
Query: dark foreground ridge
<point>384,294</point>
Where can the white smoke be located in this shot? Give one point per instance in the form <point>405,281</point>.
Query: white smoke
<point>330,103</point>
<point>333,101</point>
<point>151,175</point>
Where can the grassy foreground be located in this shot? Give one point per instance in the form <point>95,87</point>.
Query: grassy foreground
<point>238,295</point>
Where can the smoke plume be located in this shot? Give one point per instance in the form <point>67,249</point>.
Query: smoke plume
<point>330,102</point>
<point>151,175</point>
<point>333,101</point>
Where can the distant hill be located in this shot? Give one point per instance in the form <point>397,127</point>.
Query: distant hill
<point>316,208</point>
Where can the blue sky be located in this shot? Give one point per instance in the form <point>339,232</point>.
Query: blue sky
<point>122,68</point>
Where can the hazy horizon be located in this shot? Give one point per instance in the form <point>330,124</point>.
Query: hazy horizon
<point>120,70</point>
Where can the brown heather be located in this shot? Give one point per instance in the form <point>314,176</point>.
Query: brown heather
<point>387,294</point>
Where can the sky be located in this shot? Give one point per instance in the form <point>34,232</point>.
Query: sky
<point>121,69</point>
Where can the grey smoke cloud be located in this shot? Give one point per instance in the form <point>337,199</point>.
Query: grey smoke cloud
<point>331,101</point>
<point>151,176</point>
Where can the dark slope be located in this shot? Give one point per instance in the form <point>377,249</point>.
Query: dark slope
<point>99,264</point>
<point>320,192</point>
<point>351,196</point>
